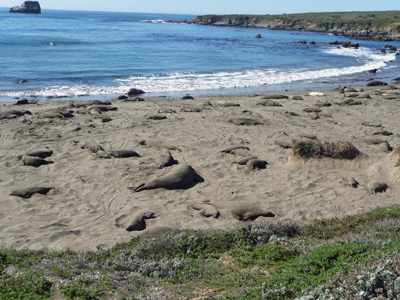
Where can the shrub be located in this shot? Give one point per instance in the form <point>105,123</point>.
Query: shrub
<point>24,287</point>
<point>374,281</point>
<point>132,260</point>
<point>316,149</point>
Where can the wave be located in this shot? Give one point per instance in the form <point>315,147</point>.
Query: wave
<point>363,53</point>
<point>154,21</point>
<point>250,78</point>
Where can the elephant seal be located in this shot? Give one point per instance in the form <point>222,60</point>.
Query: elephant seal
<point>207,211</point>
<point>242,211</point>
<point>158,144</point>
<point>256,164</point>
<point>135,223</point>
<point>227,104</point>
<point>376,187</point>
<point>12,114</point>
<point>157,117</point>
<point>51,114</point>
<point>166,111</point>
<point>123,153</point>
<point>28,192</point>
<point>312,110</point>
<point>275,96</point>
<point>385,147</point>
<point>40,153</point>
<point>92,147</point>
<point>34,161</point>
<point>210,211</point>
<point>269,102</point>
<point>240,152</point>
<point>231,148</point>
<point>167,160</point>
<point>245,122</point>
<point>101,107</point>
<point>182,176</point>
<point>349,181</point>
<point>244,160</point>
<point>190,109</point>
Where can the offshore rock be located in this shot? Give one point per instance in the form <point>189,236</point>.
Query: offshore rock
<point>28,7</point>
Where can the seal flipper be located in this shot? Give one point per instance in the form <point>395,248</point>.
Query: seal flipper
<point>139,188</point>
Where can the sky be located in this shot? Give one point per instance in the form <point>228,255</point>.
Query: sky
<point>202,7</point>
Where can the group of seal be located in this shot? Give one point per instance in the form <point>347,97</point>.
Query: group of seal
<point>252,162</point>
<point>36,158</point>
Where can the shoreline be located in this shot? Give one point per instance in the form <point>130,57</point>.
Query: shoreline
<point>296,86</point>
<point>89,203</point>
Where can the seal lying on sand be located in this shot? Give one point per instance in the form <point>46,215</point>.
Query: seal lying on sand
<point>231,148</point>
<point>244,160</point>
<point>245,122</point>
<point>242,211</point>
<point>136,222</point>
<point>256,164</point>
<point>181,176</point>
<point>34,161</point>
<point>40,153</point>
<point>28,192</point>
<point>123,153</point>
<point>37,153</point>
<point>158,144</point>
<point>167,160</point>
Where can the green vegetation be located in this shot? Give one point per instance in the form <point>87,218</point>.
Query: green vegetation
<point>327,259</point>
<point>368,24</point>
<point>316,149</point>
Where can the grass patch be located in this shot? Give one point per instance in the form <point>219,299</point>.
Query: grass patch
<point>254,260</point>
<point>316,149</point>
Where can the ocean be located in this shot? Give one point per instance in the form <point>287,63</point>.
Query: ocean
<point>100,55</point>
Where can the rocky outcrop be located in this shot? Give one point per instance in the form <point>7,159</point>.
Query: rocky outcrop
<point>28,7</point>
<point>361,31</point>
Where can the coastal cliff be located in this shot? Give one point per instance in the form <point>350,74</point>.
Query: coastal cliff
<point>378,26</point>
<point>28,7</point>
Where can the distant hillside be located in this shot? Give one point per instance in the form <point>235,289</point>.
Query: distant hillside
<point>379,26</point>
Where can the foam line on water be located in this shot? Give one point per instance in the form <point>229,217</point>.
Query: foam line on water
<point>176,82</point>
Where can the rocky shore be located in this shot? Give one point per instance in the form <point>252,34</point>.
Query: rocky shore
<point>379,26</point>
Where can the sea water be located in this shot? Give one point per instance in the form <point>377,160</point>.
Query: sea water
<point>97,55</point>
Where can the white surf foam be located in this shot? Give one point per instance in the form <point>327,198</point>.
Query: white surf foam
<point>177,82</point>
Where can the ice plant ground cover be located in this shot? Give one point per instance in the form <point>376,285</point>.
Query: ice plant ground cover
<point>354,257</point>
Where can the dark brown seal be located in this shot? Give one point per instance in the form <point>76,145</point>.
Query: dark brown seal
<point>34,161</point>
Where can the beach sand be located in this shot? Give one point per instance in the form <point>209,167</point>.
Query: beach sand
<point>90,194</point>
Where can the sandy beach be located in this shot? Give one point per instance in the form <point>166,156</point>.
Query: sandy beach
<point>87,201</point>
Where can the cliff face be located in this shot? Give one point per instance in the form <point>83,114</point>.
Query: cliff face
<point>375,29</point>
<point>28,7</point>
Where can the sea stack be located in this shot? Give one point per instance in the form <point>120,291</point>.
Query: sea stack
<point>28,7</point>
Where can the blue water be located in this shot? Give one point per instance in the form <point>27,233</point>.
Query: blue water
<point>103,54</point>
